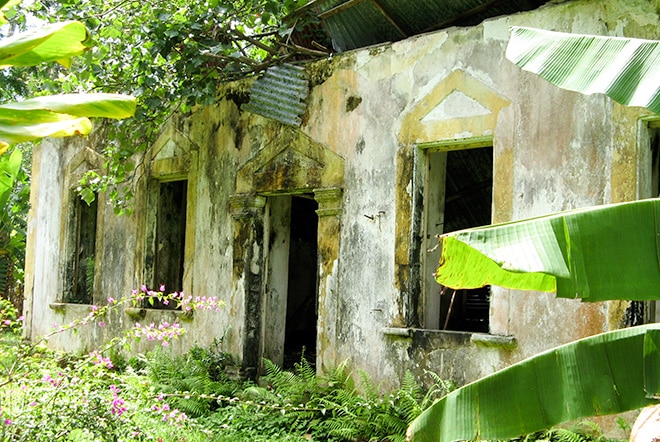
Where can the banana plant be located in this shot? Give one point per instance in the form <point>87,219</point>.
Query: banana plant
<point>47,116</point>
<point>604,374</point>
<point>625,69</point>
<point>59,115</point>
<point>594,254</point>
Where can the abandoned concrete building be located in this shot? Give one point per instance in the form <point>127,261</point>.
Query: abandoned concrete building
<point>316,227</point>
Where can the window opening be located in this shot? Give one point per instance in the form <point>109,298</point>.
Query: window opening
<point>640,312</point>
<point>459,196</point>
<point>170,237</point>
<point>655,161</point>
<point>81,271</point>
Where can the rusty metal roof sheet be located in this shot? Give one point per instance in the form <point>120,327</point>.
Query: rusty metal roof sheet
<point>280,94</point>
<point>358,23</point>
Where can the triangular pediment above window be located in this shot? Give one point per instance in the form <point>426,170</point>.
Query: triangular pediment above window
<point>459,107</point>
<point>170,154</point>
<point>86,159</point>
<point>292,162</point>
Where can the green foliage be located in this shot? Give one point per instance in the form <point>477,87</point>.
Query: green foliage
<point>191,381</point>
<point>170,56</point>
<point>14,205</point>
<point>10,316</point>
<point>107,396</point>
<point>333,407</point>
<point>583,431</point>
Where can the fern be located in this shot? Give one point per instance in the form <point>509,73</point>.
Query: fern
<point>585,431</point>
<point>187,380</point>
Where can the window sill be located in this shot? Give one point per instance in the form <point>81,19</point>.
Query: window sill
<point>141,312</point>
<point>506,342</point>
<point>63,306</point>
<point>481,339</point>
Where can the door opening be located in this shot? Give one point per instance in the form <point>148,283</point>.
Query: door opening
<point>301,310</point>
<point>290,310</point>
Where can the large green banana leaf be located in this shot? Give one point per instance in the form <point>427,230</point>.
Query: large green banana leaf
<point>603,374</point>
<point>59,115</point>
<point>626,69</point>
<point>596,254</point>
<point>53,42</point>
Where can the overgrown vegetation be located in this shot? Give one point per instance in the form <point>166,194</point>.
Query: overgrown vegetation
<point>106,395</point>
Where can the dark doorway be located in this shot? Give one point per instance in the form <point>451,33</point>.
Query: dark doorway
<point>301,305</point>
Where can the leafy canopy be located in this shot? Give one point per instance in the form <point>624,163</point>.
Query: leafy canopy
<point>169,55</point>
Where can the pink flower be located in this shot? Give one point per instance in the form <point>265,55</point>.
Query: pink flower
<point>101,324</point>
<point>117,405</point>
<point>162,287</point>
<point>111,300</point>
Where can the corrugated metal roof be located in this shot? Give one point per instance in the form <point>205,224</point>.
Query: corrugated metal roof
<point>358,23</point>
<point>280,94</point>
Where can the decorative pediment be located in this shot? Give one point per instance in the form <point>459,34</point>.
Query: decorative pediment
<point>292,162</point>
<point>83,161</point>
<point>458,108</point>
<point>170,154</point>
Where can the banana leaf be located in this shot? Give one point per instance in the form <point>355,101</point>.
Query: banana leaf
<point>53,42</point>
<point>626,69</point>
<point>595,254</point>
<point>604,374</point>
<point>59,115</point>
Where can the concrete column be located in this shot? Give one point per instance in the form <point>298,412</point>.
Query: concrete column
<point>329,211</point>
<point>249,267</point>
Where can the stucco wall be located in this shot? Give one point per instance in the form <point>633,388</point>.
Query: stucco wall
<point>368,125</point>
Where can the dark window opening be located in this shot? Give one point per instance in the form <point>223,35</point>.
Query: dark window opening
<point>641,312</point>
<point>170,238</point>
<point>463,183</point>
<point>82,265</point>
<point>635,314</point>
<point>301,306</point>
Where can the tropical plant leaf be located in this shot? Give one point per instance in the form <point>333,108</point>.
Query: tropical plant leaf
<point>76,105</point>
<point>599,375</point>
<point>598,253</point>
<point>10,165</point>
<point>626,69</point>
<point>53,42</point>
<point>59,115</point>
<point>4,5</point>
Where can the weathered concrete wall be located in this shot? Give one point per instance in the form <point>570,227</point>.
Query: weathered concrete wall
<point>372,116</point>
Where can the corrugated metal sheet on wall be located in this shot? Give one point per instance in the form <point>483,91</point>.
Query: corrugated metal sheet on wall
<point>280,94</point>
